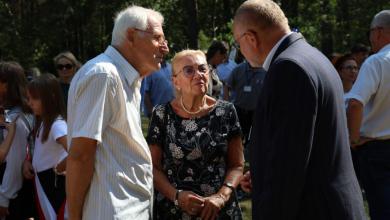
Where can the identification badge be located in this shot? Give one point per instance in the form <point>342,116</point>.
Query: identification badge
<point>247,88</point>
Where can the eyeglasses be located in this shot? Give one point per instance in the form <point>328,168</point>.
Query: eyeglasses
<point>351,68</point>
<point>373,29</point>
<point>66,66</point>
<point>236,43</point>
<point>189,71</point>
<point>157,37</point>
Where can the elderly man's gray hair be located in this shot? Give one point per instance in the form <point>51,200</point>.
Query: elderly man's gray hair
<point>382,19</point>
<point>132,17</point>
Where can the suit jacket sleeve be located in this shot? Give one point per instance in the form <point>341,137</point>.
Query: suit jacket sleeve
<point>290,113</point>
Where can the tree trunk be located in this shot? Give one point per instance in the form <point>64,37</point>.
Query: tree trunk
<point>191,10</point>
<point>326,29</point>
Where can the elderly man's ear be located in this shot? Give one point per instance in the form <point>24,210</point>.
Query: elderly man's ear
<point>130,34</point>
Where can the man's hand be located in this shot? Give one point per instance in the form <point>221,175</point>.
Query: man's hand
<point>246,182</point>
<point>361,141</point>
<point>3,211</point>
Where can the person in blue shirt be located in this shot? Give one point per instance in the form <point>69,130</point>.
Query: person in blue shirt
<point>157,87</point>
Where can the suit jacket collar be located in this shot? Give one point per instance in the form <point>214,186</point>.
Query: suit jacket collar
<point>289,40</point>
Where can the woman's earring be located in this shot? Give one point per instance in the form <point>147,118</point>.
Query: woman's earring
<point>178,89</point>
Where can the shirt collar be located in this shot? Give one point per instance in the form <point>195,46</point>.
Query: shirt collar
<point>385,48</point>
<point>125,69</point>
<point>267,61</point>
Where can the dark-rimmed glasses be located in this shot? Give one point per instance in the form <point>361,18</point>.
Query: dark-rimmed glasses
<point>62,66</point>
<point>236,43</point>
<point>373,29</point>
<point>189,71</point>
<point>159,38</point>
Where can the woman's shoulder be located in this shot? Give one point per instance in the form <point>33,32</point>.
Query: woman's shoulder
<point>224,104</point>
<point>161,109</point>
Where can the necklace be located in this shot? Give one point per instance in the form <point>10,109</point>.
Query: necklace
<point>190,112</point>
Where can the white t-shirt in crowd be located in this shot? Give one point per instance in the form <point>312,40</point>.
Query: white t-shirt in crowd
<point>50,153</point>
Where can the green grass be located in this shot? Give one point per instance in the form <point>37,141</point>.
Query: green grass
<point>246,207</point>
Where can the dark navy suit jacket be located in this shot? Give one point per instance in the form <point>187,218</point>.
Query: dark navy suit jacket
<point>301,164</point>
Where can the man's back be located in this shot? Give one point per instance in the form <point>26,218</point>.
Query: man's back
<point>300,153</point>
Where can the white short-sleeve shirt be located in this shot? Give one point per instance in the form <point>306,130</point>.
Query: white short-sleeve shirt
<point>104,105</point>
<point>13,177</point>
<point>49,153</point>
<point>372,89</point>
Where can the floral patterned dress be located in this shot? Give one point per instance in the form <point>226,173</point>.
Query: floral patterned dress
<point>194,153</point>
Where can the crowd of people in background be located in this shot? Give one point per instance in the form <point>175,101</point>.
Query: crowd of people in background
<point>72,147</point>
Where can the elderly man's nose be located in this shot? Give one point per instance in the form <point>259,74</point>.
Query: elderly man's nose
<point>164,48</point>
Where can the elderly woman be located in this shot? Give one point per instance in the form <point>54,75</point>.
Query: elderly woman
<point>66,65</point>
<point>196,147</point>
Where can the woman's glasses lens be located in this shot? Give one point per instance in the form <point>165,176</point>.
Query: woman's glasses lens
<point>189,71</point>
<point>66,66</point>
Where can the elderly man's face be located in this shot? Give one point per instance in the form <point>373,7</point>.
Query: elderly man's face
<point>151,46</point>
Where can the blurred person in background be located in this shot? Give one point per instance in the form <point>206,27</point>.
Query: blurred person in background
<point>348,70</point>
<point>16,194</point>
<point>359,53</point>
<point>66,65</point>
<point>216,55</point>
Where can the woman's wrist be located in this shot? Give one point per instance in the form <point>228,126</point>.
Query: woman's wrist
<point>176,198</point>
<point>222,197</point>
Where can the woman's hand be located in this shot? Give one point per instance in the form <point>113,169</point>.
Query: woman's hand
<point>212,205</point>
<point>11,127</point>
<point>246,183</point>
<point>28,170</point>
<point>190,202</point>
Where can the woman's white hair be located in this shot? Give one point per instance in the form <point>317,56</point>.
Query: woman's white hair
<point>132,17</point>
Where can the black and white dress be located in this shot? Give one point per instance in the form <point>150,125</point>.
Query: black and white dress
<point>194,155</point>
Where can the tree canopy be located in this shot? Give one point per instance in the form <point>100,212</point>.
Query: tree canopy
<point>32,32</point>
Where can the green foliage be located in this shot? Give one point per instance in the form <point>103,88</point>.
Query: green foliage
<point>34,31</point>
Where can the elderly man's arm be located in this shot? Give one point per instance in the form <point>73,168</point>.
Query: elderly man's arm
<point>354,121</point>
<point>80,169</point>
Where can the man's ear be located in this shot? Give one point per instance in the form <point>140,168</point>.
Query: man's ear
<point>253,40</point>
<point>130,34</point>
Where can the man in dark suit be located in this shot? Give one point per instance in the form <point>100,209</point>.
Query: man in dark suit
<point>301,166</point>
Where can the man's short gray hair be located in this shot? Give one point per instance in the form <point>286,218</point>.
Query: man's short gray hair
<point>132,17</point>
<point>262,14</point>
<point>382,19</point>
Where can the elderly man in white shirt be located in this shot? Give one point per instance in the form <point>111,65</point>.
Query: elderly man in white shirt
<point>109,168</point>
<point>369,119</point>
